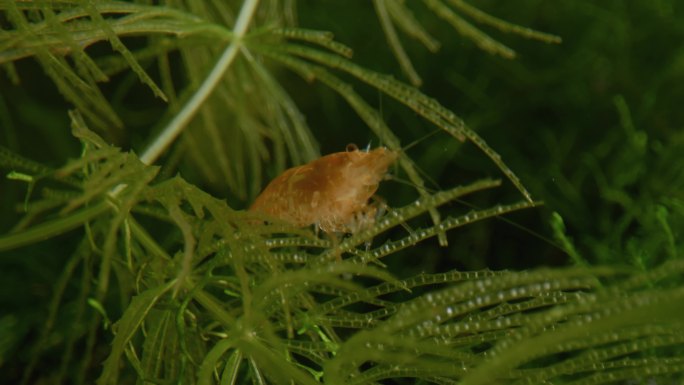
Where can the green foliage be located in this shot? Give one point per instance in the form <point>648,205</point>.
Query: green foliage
<point>133,273</point>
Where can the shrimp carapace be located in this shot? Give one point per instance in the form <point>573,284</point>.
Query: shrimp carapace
<point>331,192</point>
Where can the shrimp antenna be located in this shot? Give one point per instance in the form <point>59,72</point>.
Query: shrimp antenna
<point>422,138</point>
<point>510,222</point>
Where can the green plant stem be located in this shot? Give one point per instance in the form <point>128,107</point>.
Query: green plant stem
<point>214,306</point>
<point>180,121</point>
<point>52,228</point>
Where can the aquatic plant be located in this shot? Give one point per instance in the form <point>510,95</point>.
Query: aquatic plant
<point>145,277</point>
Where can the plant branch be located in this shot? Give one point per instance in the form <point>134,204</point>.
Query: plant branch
<point>180,121</point>
<point>52,228</point>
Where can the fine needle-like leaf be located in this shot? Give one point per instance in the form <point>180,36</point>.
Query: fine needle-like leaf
<point>126,328</point>
<point>395,44</point>
<point>174,128</point>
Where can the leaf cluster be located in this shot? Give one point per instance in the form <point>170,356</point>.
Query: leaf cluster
<point>158,281</point>
<point>274,304</point>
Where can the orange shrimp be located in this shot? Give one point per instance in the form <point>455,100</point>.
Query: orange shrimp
<point>331,192</point>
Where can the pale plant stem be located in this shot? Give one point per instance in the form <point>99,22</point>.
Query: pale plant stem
<point>180,121</point>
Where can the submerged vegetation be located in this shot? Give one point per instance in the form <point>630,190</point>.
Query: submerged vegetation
<point>133,135</point>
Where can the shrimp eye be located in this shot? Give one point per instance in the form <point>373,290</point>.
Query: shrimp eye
<point>351,147</point>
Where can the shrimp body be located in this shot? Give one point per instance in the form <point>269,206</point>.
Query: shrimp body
<point>331,192</point>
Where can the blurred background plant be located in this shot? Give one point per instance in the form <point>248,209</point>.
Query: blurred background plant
<point>105,259</point>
